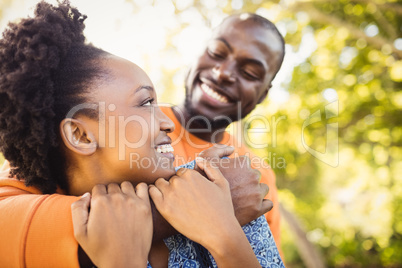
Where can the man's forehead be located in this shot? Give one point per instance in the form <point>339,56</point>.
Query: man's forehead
<point>244,18</point>
<point>255,40</point>
<point>245,25</point>
<point>249,31</point>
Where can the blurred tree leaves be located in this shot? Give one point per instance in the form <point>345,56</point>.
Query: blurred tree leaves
<point>343,52</point>
<point>351,211</point>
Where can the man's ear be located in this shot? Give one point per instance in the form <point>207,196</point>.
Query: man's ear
<point>77,137</point>
<point>264,94</point>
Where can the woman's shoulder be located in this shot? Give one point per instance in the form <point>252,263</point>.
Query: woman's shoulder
<point>10,186</point>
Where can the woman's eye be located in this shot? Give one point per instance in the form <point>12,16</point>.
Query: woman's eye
<point>148,102</point>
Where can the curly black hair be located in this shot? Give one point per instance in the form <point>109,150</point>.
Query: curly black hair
<point>46,68</point>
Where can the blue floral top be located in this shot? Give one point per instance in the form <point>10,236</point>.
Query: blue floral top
<point>188,254</point>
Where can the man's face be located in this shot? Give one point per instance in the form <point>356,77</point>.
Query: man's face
<point>235,70</point>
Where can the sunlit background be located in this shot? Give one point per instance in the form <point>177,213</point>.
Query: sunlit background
<point>332,119</point>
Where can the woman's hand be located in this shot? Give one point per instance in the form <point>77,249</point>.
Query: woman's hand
<point>117,232</point>
<point>193,205</point>
<point>202,210</point>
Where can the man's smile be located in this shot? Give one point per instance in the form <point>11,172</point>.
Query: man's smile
<point>213,94</point>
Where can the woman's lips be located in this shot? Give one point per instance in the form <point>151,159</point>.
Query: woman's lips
<point>166,150</point>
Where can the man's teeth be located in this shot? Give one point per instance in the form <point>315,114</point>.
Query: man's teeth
<point>213,94</point>
<point>164,148</point>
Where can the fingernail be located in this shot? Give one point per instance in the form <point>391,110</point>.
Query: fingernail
<point>181,171</point>
<point>199,159</point>
<point>85,195</point>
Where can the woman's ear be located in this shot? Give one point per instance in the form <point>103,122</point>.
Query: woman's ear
<point>77,137</point>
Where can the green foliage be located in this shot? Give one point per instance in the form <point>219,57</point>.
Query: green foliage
<point>350,209</point>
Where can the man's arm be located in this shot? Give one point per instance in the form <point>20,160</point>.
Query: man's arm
<point>36,231</point>
<point>51,220</point>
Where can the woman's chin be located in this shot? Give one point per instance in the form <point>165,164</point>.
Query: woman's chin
<point>165,173</point>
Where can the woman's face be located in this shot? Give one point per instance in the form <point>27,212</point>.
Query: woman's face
<point>131,133</point>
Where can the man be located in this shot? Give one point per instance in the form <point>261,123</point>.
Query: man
<point>231,76</point>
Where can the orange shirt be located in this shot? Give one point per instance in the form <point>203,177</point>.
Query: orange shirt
<point>187,147</point>
<point>35,230</point>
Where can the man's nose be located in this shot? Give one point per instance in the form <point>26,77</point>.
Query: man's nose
<point>225,72</point>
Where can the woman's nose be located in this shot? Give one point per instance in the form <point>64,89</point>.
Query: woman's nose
<point>166,124</point>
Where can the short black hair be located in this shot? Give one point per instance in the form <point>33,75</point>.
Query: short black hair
<point>266,24</point>
<point>46,67</point>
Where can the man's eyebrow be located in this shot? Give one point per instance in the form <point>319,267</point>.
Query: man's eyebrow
<point>226,43</point>
<point>248,60</point>
<point>144,87</point>
<point>257,62</point>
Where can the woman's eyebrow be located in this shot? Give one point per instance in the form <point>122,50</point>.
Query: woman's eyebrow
<point>144,87</point>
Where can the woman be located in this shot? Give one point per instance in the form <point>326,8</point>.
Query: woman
<point>72,117</point>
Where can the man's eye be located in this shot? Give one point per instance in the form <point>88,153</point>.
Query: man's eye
<point>250,75</point>
<point>216,55</point>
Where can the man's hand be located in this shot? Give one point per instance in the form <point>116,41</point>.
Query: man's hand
<point>247,192</point>
<point>216,152</point>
